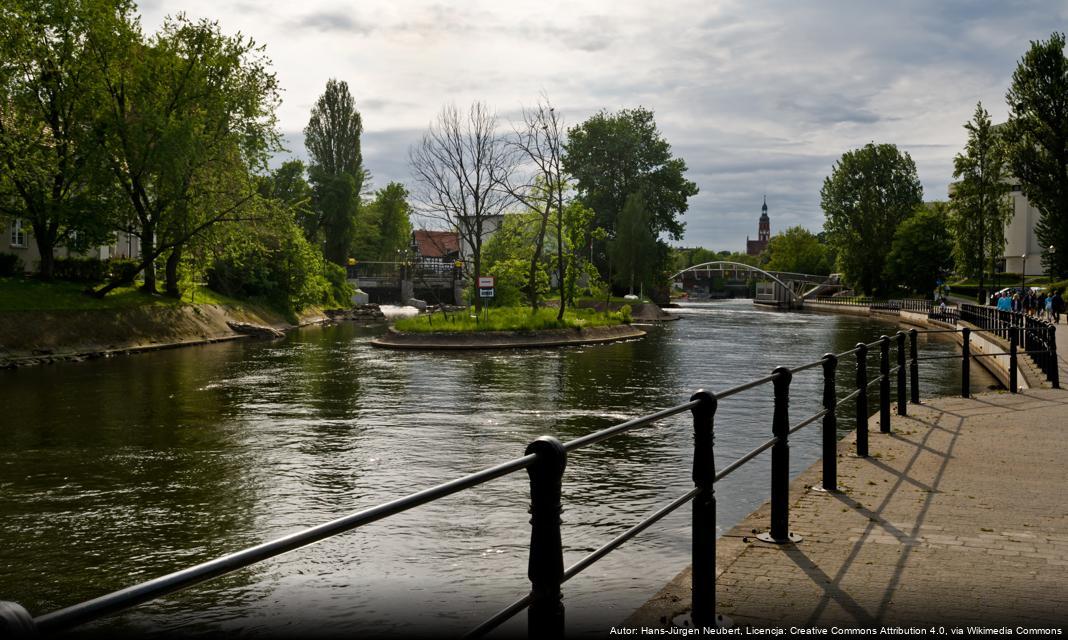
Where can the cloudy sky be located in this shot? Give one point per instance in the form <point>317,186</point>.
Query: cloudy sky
<point>757,97</point>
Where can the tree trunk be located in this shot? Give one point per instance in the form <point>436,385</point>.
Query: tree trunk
<point>560,271</point>
<point>173,261</point>
<point>148,248</point>
<point>45,237</point>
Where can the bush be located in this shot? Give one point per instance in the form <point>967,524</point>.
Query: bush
<point>10,265</point>
<point>123,269</point>
<point>88,270</point>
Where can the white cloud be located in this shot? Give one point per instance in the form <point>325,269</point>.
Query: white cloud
<point>756,96</point>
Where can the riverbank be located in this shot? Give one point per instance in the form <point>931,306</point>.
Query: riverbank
<point>36,337</point>
<point>943,525</point>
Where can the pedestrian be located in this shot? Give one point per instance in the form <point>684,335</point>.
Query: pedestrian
<point>1047,308</point>
<point>1058,306</point>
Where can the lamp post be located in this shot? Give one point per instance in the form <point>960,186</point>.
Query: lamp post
<point>1052,250</point>
<point>1023,273</point>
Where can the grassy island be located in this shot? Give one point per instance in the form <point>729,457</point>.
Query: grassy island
<point>512,319</point>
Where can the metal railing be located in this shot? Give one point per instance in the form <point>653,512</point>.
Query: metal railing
<point>889,305</point>
<point>1036,337</point>
<point>545,460</point>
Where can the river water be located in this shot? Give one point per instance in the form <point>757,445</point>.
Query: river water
<point>113,472</point>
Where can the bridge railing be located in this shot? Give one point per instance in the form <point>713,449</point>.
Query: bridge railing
<point>545,461</point>
<point>1036,337</point>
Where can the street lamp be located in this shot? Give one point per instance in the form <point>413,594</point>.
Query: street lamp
<point>1052,250</point>
<point>1023,273</point>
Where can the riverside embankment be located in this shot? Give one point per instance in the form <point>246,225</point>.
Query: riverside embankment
<point>957,518</point>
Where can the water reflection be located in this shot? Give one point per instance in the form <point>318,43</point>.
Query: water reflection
<point>121,470</point>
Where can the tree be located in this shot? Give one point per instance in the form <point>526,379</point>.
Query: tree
<point>538,142</point>
<point>921,252</point>
<point>613,156</point>
<point>870,191</point>
<point>797,250</point>
<point>186,116</point>
<point>980,205</point>
<point>507,256</point>
<point>462,168</point>
<point>1037,132</point>
<point>634,247</point>
<point>48,96</point>
<point>332,138</point>
<point>391,212</point>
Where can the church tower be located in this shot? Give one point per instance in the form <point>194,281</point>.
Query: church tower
<point>764,228</point>
<point>756,247</point>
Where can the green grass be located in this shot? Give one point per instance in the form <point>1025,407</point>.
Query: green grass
<point>511,319</point>
<point>26,294</point>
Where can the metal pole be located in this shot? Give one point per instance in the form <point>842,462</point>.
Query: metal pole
<point>902,374</point>
<point>545,617</point>
<point>965,362</point>
<point>914,366</point>
<point>780,462</point>
<point>884,384</point>
<point>830,424</point>
<point>1055,370</point>
<point>862,400</point>
<point>1013,340</point>
<point>703,549</point>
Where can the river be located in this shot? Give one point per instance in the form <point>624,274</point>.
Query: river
<point>117,471</point>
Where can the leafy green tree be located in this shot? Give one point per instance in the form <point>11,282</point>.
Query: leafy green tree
<point>613,156</point>
<point>577,219</point>
<point>49,93</point>
<point>634,247</point>
<point>186,116</point>
<point>921,252</point>
<point>332,138</point>
<point>507,256</point>
<point>869,193</point>
<point>392,213</point>
<point>288,185</point>
<point>1037,133</point>
<point>980,204</point>
<point>797,250</point>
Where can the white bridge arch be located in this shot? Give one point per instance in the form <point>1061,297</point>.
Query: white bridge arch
<point>791,287</point>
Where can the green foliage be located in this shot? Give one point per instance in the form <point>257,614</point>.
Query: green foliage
<point>634,248</point>
<point>513,319</point>
<point>332,138</point>
<point>123,269</point>
<point>10,264</point>
<point>797,250</point>
<point>921,253</point>
<point>980,206</point>
<point>1037,131</point>
<point>87,270</point>
<point>273,261</point>
<point>869,193</point>
<point>577,219</point>
<point>613,156</point>
<point>507,255</point>
<point>388,228</point>
<point>49,94</point>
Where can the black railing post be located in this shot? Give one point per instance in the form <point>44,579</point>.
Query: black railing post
<point>703,545</point>
<point>884,384</point>
<point>965,362</point>
<point>1013,341</point>
<point>780,462</point>
<point>914,365</point>
<point>830,424</point>
<point>862,400</point>
<point>902,374</point>
<point>545,617</point>
<point>1055,367</point>
<point>16,622</point>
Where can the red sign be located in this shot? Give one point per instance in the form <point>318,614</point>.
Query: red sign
<point>486,282</point>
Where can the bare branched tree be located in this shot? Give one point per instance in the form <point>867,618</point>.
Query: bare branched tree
<point>462,168</point>
<point>538,142</point>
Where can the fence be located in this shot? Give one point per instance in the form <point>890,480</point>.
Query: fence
<point>1036,337</point>
<point>891,306</point>
<point>545,460</point>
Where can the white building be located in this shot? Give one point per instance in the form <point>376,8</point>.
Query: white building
<point>19,241</point>
<point>1023,251</point>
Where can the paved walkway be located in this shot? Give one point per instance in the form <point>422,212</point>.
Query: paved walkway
<point>959,517</point>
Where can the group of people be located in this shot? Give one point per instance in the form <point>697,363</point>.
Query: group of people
<point>1046,306</point>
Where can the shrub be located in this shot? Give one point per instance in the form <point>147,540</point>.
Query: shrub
<point>88,270</point>
<point>123,269</point>
<point>10,264</point>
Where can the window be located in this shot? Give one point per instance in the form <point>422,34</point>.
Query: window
<point>18,234</point>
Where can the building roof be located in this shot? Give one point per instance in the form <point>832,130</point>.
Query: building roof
<point>436,244</point>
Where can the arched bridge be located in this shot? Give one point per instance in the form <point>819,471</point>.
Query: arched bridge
<point>782,288</point>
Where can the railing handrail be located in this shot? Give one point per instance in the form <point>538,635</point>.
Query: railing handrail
<point>549,457</point>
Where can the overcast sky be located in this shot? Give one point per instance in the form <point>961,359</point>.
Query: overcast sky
<point>757,97</point>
